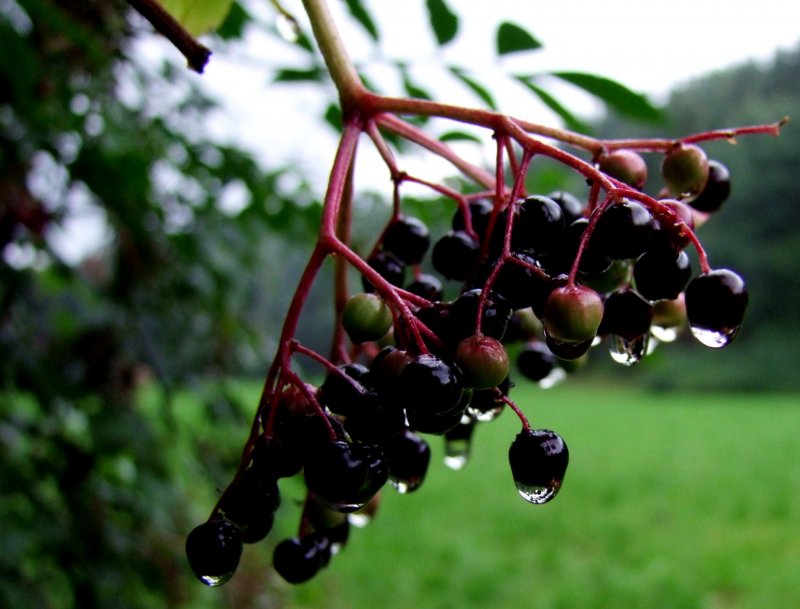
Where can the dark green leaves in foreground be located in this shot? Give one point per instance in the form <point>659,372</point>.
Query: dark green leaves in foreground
<point>511,38</point>
<point>444,22</point>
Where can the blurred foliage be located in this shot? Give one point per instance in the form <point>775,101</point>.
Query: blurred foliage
<point>754,232</point>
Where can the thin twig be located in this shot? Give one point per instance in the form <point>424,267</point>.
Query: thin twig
<point>196,54</point>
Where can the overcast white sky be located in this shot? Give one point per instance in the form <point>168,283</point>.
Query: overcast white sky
<point>648,46</point>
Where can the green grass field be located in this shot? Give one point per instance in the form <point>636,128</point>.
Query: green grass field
<point>670,501</point>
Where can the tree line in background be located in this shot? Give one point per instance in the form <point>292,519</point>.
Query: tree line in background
<point>186,293</point>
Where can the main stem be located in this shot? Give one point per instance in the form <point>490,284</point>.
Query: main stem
<point>343,72</point>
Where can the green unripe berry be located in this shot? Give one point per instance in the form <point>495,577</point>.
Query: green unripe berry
<point>685,170</point>
<point>483,360</point>
<point>366,317</point>
<point>572,314</point>
<point>626,166</point>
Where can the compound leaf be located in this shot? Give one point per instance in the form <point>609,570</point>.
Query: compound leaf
<point>616,96</point>
<point>198,16</point>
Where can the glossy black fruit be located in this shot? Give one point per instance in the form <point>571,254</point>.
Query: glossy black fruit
<point>388,266</point>
<point>214,549</point>
<point>538,459</point>
<point>662,273</point>
<point>716,191</point>
<point>409,455</point>
<point>298,559</point>
<point>429,384</point>
<point>407,238</point>
<point>715,305</point>
<point>539,225</point>
<point>455,255</point>
<point>623,231</point>
<point>427,286</point>
<point>535,361</point>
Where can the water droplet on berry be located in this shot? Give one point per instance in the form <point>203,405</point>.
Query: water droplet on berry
<point>215,580</point>
<point>359,519</point>
<point>628,351</point>
<point>287,27</point>
<point>537,494</point>
<point>714,338</point>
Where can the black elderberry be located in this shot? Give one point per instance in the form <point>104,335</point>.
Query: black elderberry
<point>407,238</point>
<point>274,458</point>
<point>571,206</point>
<point>462,316</point>
<point>538,459</point>
<point>409,456</point>
<point>539,224</point>
<point>561,259</point>
<point>480,211</point>
<point>374,419</point>
<point>345,475</point>
<point>567,351</point>
<point>535,361</point>
<point>662,273</point>
<point>214,549</point>
<point>626,314</point>
<point>519,281</point>
<point>250,503</point>
<point>487,404</point>
<point>298,559</point>
<point>455,255</point>
<point>341,392</point>
<point>715,306</point>
<point>430,385</point>
<point>716,191</point>
<point>388,266</point>
<point>623,231</point>
<point>423,420</point>
<point>427,286</point>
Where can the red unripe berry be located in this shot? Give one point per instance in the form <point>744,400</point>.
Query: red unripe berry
<point>626,166</point>
<point>483,360</point>
<point>572,314</point>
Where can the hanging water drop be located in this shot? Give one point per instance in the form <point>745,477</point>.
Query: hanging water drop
<point>714,338</point>
<point>457,444</point>
<point>287,27</point>
<point>628,351</point>
<point>537,494</point>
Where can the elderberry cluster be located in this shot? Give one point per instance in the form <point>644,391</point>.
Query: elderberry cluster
<point>556,274</point>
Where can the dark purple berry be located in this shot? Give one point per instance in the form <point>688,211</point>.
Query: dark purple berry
<point>250,503</point>
<point>571,206</point>
<point>429,384</point>
<point>388,266</point>
<point>626,314</point>
<point>341,392</point>
<point>409,456</point>
<point>662,274</point>
<point>407,238</point>
<point>716,191</point>
<point>539,224</point>
<point>623,231</point>
<point>455,255</point>
<point>297,559</point>
<point>427,286</point>
<point>538,459</point>
<point>715,306</point>
<point>214,549</point>
<point>535,361</point>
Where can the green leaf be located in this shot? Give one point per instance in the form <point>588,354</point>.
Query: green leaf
<point>570,120</point>
<point>475,86</point>
<point>235,22</point>
<point>361,15</point>
<point>198,16</point>
<point>616,96</point>
<point>412,88</point>
<point>459,136</point>
<point>444,22</point>
<point>333,116</point>
<point>511,38</point>
<point>295,75</point>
